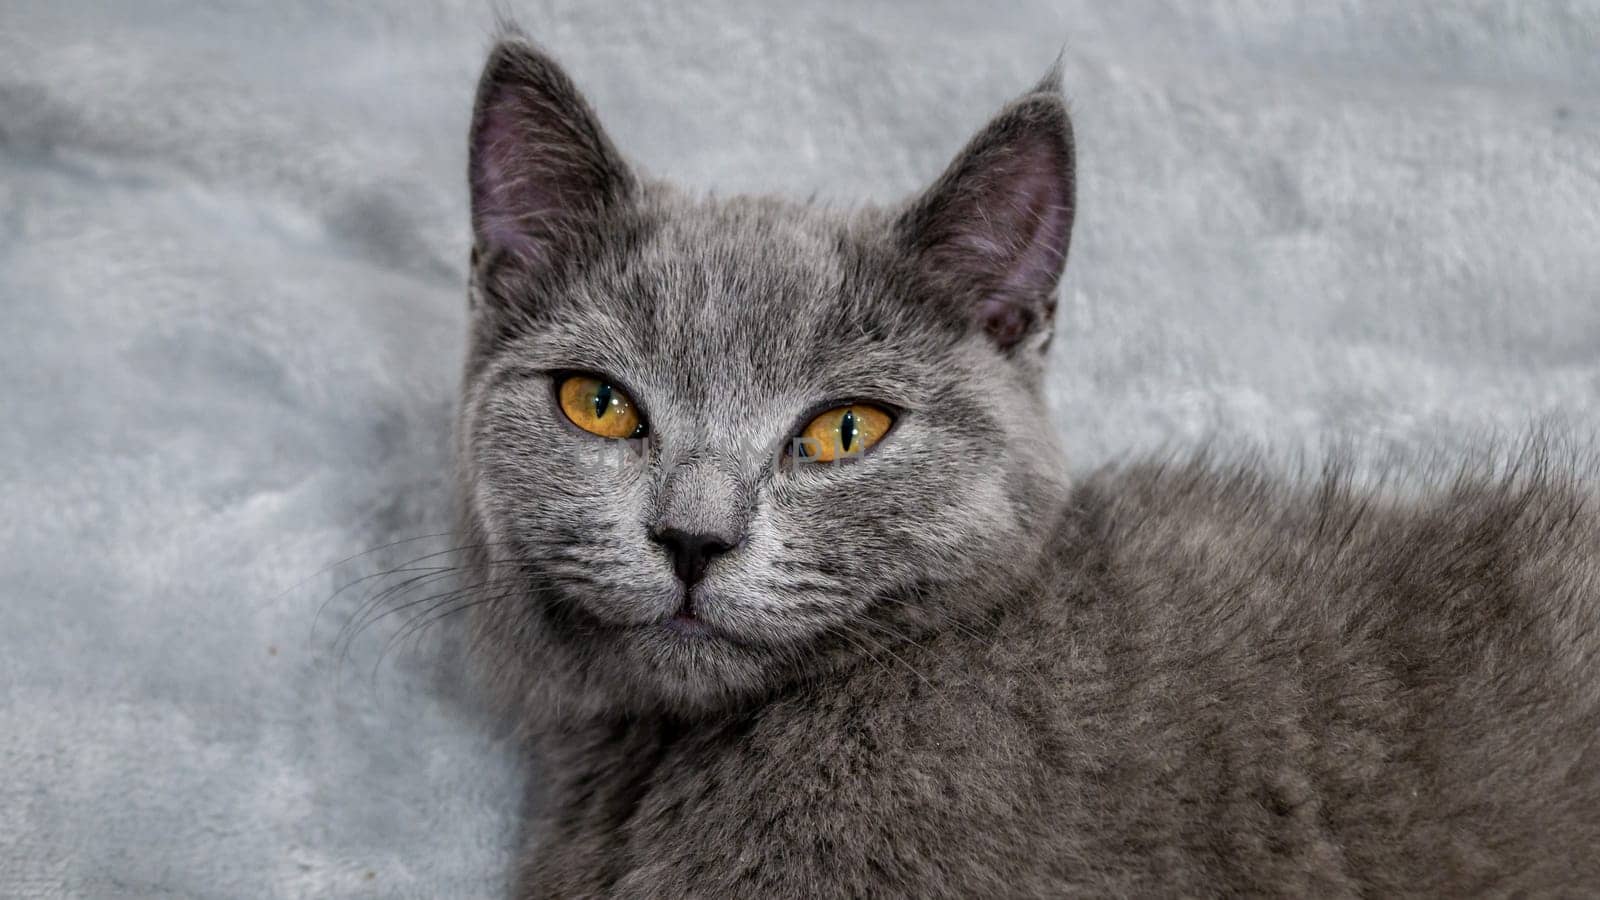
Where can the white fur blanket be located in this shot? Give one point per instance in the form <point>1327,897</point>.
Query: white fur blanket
<point>232,250</point>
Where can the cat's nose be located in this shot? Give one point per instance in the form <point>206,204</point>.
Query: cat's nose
<point>691,551</point>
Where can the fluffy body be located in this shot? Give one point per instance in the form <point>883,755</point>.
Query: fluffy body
<point>940,669</point>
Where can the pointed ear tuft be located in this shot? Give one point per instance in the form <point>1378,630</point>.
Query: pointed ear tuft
<point>541,170</point>
<point>994,229</point>
<point>1050,83</point>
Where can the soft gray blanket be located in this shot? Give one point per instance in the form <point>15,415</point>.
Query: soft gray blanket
<point>232,249</point>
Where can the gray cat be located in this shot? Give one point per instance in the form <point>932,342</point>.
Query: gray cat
<point>776,562</point>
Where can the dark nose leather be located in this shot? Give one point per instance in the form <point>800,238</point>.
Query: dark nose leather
<point>691,551</point>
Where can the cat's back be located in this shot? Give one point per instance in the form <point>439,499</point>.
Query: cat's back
<point>1398,689</point>
<point>1464,563</point>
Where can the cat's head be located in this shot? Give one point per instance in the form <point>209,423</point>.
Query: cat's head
<point>709,445</point>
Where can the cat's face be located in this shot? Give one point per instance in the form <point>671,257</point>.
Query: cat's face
<point>656,386</point>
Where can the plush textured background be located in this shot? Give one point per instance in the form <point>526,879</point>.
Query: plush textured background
<point>232,246</point>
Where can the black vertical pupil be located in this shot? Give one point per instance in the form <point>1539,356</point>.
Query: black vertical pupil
<point>847,430</point>
<point>602,400</point>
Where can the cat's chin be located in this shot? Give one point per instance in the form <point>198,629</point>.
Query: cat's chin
<point>682,659</point>
<point>690,665</point>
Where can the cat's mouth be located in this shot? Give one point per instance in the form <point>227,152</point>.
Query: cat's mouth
<point>686,624</point>
<point>686,621</point>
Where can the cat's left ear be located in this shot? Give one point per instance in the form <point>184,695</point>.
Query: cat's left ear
<point>993,231</point>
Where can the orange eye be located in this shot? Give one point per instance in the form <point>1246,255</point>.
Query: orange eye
<point>843,431</point>
<point>599,407</point>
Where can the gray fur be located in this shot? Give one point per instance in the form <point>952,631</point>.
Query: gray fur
<point>941,670</point>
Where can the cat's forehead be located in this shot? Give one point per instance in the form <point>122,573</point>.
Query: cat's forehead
<point>736,300</point>
<point>732,266</point>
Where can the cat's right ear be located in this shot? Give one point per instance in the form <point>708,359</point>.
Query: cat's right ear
<point>543,174</point>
